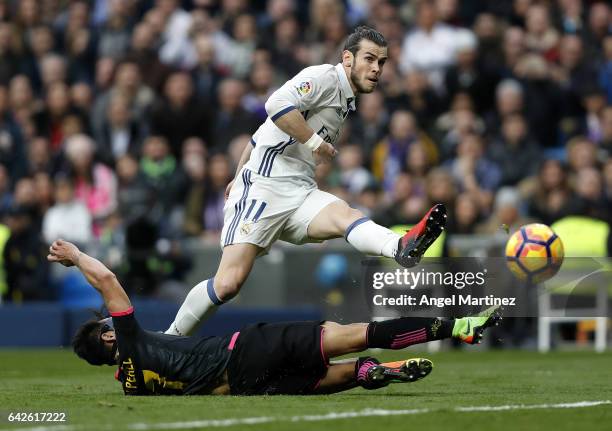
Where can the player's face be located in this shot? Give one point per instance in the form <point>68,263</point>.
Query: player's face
<point>368,66</point>
<point>108,337</point>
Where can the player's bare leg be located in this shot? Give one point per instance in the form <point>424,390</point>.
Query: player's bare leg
<point>339,219</point>
<point>205,297</point>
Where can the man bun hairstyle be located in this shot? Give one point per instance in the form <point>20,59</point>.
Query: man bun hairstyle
<point>360,33</point>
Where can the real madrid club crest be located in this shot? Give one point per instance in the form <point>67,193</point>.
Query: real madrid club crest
<point>304,88</point>
<point>245,229</point>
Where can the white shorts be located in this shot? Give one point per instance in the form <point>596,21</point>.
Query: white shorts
<point>260,210</point>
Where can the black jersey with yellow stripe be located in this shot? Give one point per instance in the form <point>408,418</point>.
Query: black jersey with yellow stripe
<point>151,363</point>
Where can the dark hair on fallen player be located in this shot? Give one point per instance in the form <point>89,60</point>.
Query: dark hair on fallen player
<point>360,33</point>
<point>87,343</point>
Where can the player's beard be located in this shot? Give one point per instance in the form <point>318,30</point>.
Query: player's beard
<point>355,80</point>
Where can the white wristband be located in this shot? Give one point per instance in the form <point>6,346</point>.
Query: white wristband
<point>314,142</point>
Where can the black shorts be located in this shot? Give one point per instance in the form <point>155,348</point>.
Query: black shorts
<point>277,358</point>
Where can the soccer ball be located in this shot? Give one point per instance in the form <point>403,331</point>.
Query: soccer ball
<point>534,253</point>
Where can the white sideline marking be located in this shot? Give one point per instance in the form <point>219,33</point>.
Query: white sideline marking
<point>217,423</point>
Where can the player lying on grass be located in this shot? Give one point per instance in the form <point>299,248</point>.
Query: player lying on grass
<point>283,358</point>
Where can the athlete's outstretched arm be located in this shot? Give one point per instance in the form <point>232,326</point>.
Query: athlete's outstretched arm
<point>98,275</point>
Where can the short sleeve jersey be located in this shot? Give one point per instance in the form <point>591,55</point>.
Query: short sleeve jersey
<point>323,95</point>
<point>152,363</point>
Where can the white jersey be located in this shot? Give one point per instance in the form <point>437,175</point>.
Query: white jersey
<point>324,97</point>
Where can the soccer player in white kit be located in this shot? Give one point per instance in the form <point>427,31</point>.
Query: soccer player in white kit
<point>274,194</point>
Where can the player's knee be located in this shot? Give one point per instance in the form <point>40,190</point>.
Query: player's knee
<point>228,285</point>
<point>347,216</point>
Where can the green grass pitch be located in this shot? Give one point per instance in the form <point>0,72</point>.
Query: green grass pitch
<point>56,381</point>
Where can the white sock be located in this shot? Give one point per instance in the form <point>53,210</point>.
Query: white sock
<point>198,306</point>
<point>371,238</point>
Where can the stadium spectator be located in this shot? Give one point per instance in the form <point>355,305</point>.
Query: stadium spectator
<point>53,70</point>
<point>573,73</point>
<point>467,75</point>
<point>114,34</point>
<point>27,272</point>
<point>179,116</point>
<point>261,82</point>
<point>593,100</point>
<point>195,200</point>
<point>288,52</point>
<point>69,217</point>
<point>451,127</point>
<point>44,191</point>
<point>240,51</point>
<point>353,176</point>
<point>390,155</point>
<point>220,175</point>
<point>12,151</point>
<point>569,18</point>
<point>39,157</point>
<point>605,69</point>
<point>509,99</point>
<point>513,48</point>
<point>581,154</point>
<point>517,155</point>
<point>490,39</point>
<point>82,97</point>
<point>39,41</point>
<point>418,163</point>
<point>544,108</point>
<point>143,51</point>
<point>541,38</point>
<point>95,183</point>
<point>591,198</point>
<point>6,197</point>
<point>466,216</point>
<point>598,27</point>
<point>369,126</point>
<point>9,55</point>
<point>552,199</point>
<point>475,173</point>
<point>50,121</point>
<point>26,198</point>
<point>120,133</point>
<point>607,175</point>
<point>136,198</point>
<point>206,73</point>
<point>402,202</point>
<point>507,213</point>
<point>161,172</point>
<point>230,119</point>
<point>128,83</point>
<point>419,97</point>
<point>430,47</point>
<point>21,97</point>
<point>441,187</point>
<point>605,141</point>
<point>175,23</point>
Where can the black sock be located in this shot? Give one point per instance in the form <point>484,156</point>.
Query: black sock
<point>406,331</point>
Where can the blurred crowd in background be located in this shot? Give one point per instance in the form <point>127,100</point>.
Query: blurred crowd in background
<point>122,121</point>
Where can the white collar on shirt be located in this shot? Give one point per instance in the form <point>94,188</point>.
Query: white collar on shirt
<point>346,86</point>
